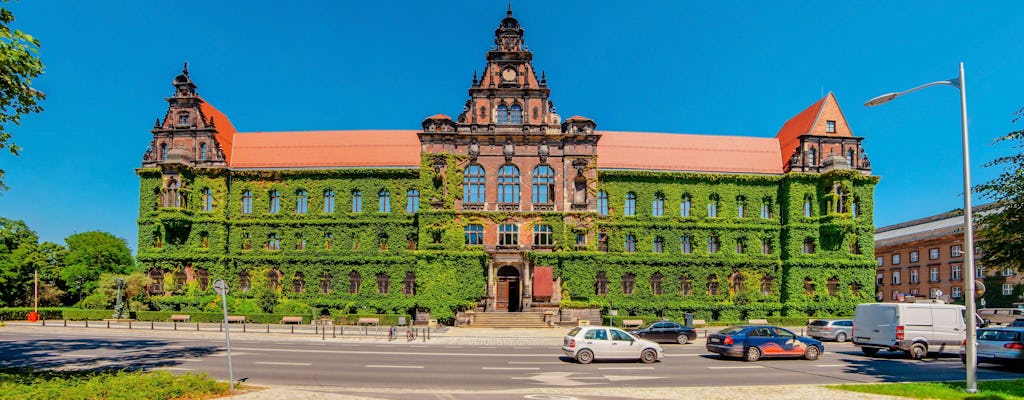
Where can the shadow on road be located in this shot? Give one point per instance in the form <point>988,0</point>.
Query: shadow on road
<point>87,354</point>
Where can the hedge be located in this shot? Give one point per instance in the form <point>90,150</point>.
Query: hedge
<point>21,313</point>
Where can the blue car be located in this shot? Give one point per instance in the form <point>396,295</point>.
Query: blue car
<point>755,341</point>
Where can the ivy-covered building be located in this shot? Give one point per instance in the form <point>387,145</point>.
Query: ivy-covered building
<point>509,207</point>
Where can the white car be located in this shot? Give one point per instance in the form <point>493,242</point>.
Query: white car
<point>589,343</point>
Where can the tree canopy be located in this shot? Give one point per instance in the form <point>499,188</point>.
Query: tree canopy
<point>90,254</point>
<point>1001,233</point>
<point>19,64</point>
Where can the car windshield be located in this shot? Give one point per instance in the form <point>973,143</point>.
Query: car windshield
<point>732,330</point>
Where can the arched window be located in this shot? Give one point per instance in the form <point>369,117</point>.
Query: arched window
<point>274,279</point>
<point>474,234</point>
<point>812,157</point>
<point>172,196</point>
<point>543,185</point>
<point>628,283</point>
<point>741,205</point>
<point>713,243</point>
<point>833,286</point>
<point>412,201</point>
<point>328,201</point>
<point>275,202</point>
<point>685,286</point>
<point>382,241</point>
<point>685,206</point>
<point>384,201</point>
<point>656,283</point>
<point>301,202</point>
<point>383,283</point>
<point>508,184</point>
<point>737,283</point>
<point>207,200</point>
<point>515,116</point>
<point>502,115</point>
<point>409,284</point>
<point>685,246</point>
<point>244,283</point>
<point>325,283</point>
<point>853,208</point>
<point>202,152</point>
<point>602,203</point>
<point>299,283</point>
<point>766,284</point>
<point>630,206</point>
<point>601,284</point>
<point>713,206</point>
<point>354,281</point>
<point>247,202</point>
<point>712,286</point>
<point>630,243</point>
<point>808,247</point>
<point>473,185</point>
<point>508,235</point>
<point>658,205</point>
<point>163,151</point>
<point>202,278</point>
<point>659,244</point>
<point>357,201</point>
<point>542,235</point>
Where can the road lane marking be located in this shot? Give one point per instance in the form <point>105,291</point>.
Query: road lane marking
<point>395,366</point>
<point>282,363</point>
<point>511,368</point>
<point>626,368</point>
<point>392,353</point>
<point>739,367</point>
<point>536,362</point>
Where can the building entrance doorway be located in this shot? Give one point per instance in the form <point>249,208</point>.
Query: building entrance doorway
<point>507,290</point>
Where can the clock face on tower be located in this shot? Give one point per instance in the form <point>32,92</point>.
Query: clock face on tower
<point>508,74</point>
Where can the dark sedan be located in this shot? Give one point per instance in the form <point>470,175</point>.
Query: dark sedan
<point>756,341</point>
<point>666,331</point>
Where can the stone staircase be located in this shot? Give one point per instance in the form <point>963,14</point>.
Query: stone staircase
<point>509,320</point>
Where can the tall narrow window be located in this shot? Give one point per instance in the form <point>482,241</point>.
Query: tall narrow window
<point>515,116</point>
<point>383,281</point>
<point>741,205</point>
<point>737,282</point>
<point>384,201</point>
<point>542,235</point>
<point>630,206</point>
<point>473,185</point>
<point>659,244</point>
<point>409,284</point>
<point>686,246</point>
<point>172,196</point>
<point>273,242</point>
<point>741,246</point>
<point>602,242</point>
<point>412,201</point>
<point>207,200</point>
<point>713,243</point>
<point>630,243</point>
<point>325,283</point>
<point>275,202</point>
<point>508,235</point>
<point>163,151</point>
<point>766,208</point>
<point>849,157</point>
<point>382,241</point>
<point>301,202</point>
<point>328,240</point>
<point>474,234</point>
<point>202,152</point>
<point>766,284</point>
<point>712,206</point>
<point>812,157</point>
<point>602,203</point>
<point>601,284</point>
<point>766,246</point>
<point>807,206</point>
<point>685,206</point>
<point>543,184</point>
<point>300,242</point>
<point>299,283</point>
<point>502,115</point>
<point>354,281</point>
<point>809,286</point>
<point>246,241</point>
<point>628,283</point>
<point>712,286</point>
<point>685,286</point>
<point>274,279</point>
<point>204,240</point>
<point>328,201</point>
<point>833,286</point>
<point>357,201</point>
<point>808,247</point>
<point>853,208</point>
<point>203,278</point>
<point>244,284</point>
<point>247,202</point>
<point>508,184</point>
<point>658,205</point>
<point>656,283</point>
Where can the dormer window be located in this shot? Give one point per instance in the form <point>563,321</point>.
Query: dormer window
<point>830,126</point>
<point>183,120</point>
<point>202,151</point>
<point>812,157</point>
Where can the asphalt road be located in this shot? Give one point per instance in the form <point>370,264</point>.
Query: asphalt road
<point>395,366</point>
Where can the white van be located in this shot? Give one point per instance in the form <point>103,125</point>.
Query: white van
<point>914,328</point>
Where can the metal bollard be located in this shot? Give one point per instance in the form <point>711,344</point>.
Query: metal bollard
<point>108,324</point>
<point>150,325</point>
<point>334,332</point>
<point>44,321</point>
<point>268,328</point>
<point>87,323</point>
<point>175,325</point>
<point>197,327</point>
<point>293,329</point>
<point>65,323</point>
<point>129,325</point>
<point>425,336</point>
<point>243,326</point>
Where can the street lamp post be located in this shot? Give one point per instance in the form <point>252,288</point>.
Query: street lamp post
<point>972,350</point>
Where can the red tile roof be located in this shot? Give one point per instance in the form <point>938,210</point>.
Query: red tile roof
<point>326,149</point>
<point>686,152</point>
<point>225,130</point>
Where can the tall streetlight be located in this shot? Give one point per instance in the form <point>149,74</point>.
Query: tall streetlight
<point>972,350</point>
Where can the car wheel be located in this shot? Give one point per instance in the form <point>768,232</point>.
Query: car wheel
<point>584,356</point>
<point>840,337</point>
<point>869,351</point>
<point>752,354</point>
<point>648,356</point>
<point>963,359</point>
<point>918,351</point>
<point>812,353</point>
<point>682,339</point>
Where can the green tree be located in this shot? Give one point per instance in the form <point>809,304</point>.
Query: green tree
<point>19,253</point>
<point>1001,233</point>
<point>19,64</point>
<point>90,254</point>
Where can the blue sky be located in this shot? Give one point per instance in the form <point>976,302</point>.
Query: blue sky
<point>730,68</point>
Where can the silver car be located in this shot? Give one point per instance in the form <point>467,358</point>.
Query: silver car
<point>998,346</point>
<point>830,329</point>
<point>589,343</point>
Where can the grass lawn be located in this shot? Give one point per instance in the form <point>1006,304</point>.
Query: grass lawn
<point>31,384</point>
<point>987,390</point>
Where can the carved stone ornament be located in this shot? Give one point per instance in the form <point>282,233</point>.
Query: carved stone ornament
<point>474,150</point>
<point>864,163</point>
<point>580,164</point>
<point>795,159</point>
<point>509,150</point>
<point>543,151</point>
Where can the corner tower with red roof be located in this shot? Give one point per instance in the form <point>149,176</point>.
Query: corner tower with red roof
<point>509,208</point>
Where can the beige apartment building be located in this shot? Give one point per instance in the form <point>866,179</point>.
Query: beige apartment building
<point>924,259</point>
